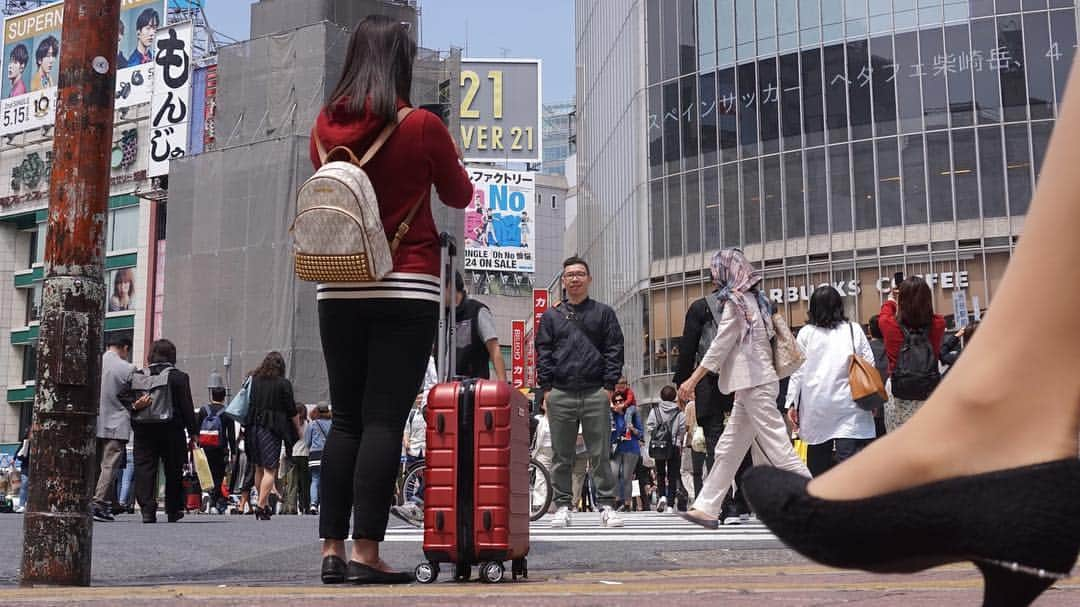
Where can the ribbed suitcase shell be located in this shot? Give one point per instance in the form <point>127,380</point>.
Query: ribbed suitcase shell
<point>476,492</point>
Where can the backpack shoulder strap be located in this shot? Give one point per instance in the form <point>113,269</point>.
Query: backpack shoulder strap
<point>383,136</point>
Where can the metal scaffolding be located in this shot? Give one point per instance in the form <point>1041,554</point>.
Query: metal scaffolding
<point>14,7</point>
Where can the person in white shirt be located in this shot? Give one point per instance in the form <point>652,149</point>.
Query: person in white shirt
<point>819,398</point>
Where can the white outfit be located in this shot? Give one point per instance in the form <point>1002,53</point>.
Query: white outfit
<point>416,432</point>
<point>820,387</point>
<point>745,367</point>
<point>431,377</point>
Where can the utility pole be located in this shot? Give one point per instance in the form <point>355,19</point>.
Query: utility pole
<point>57,530</point>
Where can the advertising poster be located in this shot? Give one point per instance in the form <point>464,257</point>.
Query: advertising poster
<point>31,66</point>
<point>170,110</point>
<point>32,62</point>
<point>122,291</point>
<point>500,111</point>
<point>139,24</point>
<point>499,222</point>
<point>517,354</point>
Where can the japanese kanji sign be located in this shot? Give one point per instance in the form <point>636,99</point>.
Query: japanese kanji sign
<point>31,65</point>
<point>500,110</point>
<point>517,353</point>
<point>170,111</point>
<point>499,223</point>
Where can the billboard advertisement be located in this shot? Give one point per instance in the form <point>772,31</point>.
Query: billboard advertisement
<point>499,222</point>
<point>170,109</point>
<point>517,354</point>
<point>500,110</point>
<point>31,56</point>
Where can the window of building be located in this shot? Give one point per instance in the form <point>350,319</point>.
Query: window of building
<point>883,82</point>
<point>766,26</point>
<point>840,186</point>
<point>772,195</point>
<point>769,106</point>
<point>751,207</point>
<point>674,218</point>
<point>987,91</point>
<point>813,108</point>
<point>33,303</point>
<point>880,16</point>
<point>809,23</point>
<point>554,202</point>
<point>939,168</point>
<point>793,195</point>
<point>706,31</point>
<point>745,28</point>
<point>692,196</point>
<point>671,127</point>
<point>1040,73</point>
<point>817,192</point>
<point>653,42</point>
<point>864,195</point>
<point>710,151</point>
<point>888,183</point>
<point>960,94</point>
<point>914,179</point>
<point>965,174</point>
<point>688,119</point>
<point>981,8</point>
<point>37,243</point>
<point>123,229</point>
<point>935,100</point>
<point>1040,138</point>
<point>727,100</point>
<point>656,132</point>
<point>748,103</point>
<point>787,24</point>
<point>991,172</point>
<point>790,116</point>
<point>29,363</point>
<point>729,190</point>
<point>1009,57</point>
<point>669,42</point>
<point>1063,36</point>
<point>1018,161</point>
<point>725,31</point>
<point>859,78</point>
<point>710,203</point>
<point>688,46</point>
<point>656,223</point>
<point>908,95</point>
<point>836,87</point>
<point>905,15</point>
<point>832,20</point>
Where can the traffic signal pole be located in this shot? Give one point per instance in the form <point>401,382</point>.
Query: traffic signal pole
<point>57,530</point>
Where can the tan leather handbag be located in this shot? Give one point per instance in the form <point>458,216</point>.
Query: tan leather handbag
<point>867,389</point>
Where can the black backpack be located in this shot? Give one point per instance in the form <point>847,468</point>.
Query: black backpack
<point>916,373</point>
<point>662,441</point>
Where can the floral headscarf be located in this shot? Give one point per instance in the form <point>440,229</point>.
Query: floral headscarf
<point>734,276</point>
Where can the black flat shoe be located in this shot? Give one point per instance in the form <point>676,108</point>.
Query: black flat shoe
<point>359,573</point>
<point>333,570</point>
<point>1018,526</point>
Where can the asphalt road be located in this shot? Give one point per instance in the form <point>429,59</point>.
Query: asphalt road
<point>656,559</point>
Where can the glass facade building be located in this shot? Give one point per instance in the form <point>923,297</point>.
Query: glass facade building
<point>837,142</point>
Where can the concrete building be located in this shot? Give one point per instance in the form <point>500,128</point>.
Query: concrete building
<point>835,142</point>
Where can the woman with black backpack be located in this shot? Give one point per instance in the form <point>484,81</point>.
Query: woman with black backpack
<point>913,335</point>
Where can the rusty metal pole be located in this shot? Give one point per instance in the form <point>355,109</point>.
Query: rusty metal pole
<point>57,530</point>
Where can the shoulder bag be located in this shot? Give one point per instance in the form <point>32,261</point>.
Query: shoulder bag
<point>867,389</point>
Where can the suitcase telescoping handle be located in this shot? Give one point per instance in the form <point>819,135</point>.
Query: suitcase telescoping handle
<point>445,360</point>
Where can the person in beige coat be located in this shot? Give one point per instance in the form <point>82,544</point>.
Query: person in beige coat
<point>741,356</point>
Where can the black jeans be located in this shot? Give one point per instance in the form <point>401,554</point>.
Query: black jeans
<point>667,476</point>
<point>820,457</point>
<point>376,355</point>
<point>218,459</point>
<point>167,445</point>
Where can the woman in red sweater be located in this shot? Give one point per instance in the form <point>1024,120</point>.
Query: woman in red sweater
<point>913,310</point>
<point>377,336</point>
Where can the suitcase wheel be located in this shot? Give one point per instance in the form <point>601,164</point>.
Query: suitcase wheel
<point>492,572</point>
<point>426,573</point>
<point>462,572</point>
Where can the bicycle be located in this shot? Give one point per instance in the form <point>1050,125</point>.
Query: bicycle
<point>410,487</point>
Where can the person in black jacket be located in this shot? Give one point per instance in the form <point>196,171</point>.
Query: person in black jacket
<point>710,405</point>
<point>579,348</point>
<point>271,421</point>
<point>164,443</point>
<point>217,455</point>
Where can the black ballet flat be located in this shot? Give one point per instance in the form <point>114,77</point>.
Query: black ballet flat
<point>333,570</point>
<point>1019,526</point>
<point>359,573</point>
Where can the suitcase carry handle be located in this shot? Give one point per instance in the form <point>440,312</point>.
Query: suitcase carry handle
<point>487,520</point>
<point>440,423</point>
<point>489,420</point>
<point>447,345</point>
<point>439,520</point>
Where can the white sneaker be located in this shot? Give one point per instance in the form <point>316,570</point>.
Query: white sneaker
<point>610,518</point>
<point>661,505</point>
<point>670,510</point>
<point>562,518</point>
<point>20,510</point>
<point>744,519</point>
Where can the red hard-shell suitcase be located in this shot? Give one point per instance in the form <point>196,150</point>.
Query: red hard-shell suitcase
<point>476,476</point>
<point>476,494</point>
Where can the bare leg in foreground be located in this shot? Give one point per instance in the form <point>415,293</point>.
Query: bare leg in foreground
<point>1014,398</point>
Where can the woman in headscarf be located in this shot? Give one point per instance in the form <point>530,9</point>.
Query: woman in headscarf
<point>741,356</point>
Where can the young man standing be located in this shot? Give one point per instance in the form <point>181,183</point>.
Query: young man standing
<point>579,350</point>
<point>113,422</point>
<point>477,338</point>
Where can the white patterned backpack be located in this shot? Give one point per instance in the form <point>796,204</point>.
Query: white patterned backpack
<point>338,235</point>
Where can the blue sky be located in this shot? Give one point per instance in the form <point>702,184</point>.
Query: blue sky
<point>487,28</point>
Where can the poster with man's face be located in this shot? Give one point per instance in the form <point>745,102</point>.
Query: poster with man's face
<point>31,54</point>
<point>139,21</point>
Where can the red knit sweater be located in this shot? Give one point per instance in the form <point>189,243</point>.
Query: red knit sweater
<point>419,153</point>
<point>894,337</point>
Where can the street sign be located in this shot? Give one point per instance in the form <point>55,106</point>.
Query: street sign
<point>975,308</point>
<point>517,354</point>
<point>960,309</point>
<point>500,110</point>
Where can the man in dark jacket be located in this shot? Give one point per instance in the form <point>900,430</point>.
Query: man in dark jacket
<point>478,341</point>
<point>164,442</point>
<point>881,361</point>
<point>710,405</point>
<point>579,348</point>
<point>217,448</point>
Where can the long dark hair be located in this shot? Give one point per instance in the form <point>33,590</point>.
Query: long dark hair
<point>826,308</point>
<point>916,303</point>
<point>273,365</point>
<point>378,68</point>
